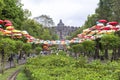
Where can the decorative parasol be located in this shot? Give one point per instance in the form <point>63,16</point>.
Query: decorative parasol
<point>102,21</point>
<point>7,33</point>
<point>100,24</point>
<point>115,28</point>
<point>24,32</point>
<point>1,21</point>
<point>16,31</point>
<point>8,24</point>
<point>106,28</point>
<point>97,27</point>
<point>113,23</point>
<point>10,28</point>
<point>2,30</point>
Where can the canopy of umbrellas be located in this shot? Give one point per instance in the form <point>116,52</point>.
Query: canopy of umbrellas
<point>102,27</point>
<point>7,29</point>
<point>96,31</point>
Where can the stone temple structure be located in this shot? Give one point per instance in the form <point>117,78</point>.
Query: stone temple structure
<point>64,31</point>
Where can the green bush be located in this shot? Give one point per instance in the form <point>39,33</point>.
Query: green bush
<point>61,67</point>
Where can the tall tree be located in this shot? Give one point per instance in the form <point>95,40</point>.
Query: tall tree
<point>88,47</point>
<point>33,28</point>
<point>110,42</point>
<point>26,48</point>
<point>7,46</point>
<point>115,9</point>
<point>78,48</point>
<point>45,20</point>
<point>1,6</point>
<point>104,9</point>
<point>27,13</point>
<point>46,35</point>
<point>19,45</point>
<point>13,11</point>
<point>91,19</point>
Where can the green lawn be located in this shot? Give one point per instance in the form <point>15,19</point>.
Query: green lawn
<point>9,72</point>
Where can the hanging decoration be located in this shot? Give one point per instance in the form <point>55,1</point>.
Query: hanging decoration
<point>96,31</point>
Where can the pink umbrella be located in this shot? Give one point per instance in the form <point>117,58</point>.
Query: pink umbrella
<point>2,30</point>
<point>7,21</point>
<point>97,27</point>
<point>8,24</point>
<point>81,35</point>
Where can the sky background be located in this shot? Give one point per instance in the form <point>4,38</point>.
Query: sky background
<point>72,12</point>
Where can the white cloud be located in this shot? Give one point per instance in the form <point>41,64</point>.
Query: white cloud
<point>72,12</point>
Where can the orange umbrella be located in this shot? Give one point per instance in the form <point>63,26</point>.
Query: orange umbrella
<point>7,33</point>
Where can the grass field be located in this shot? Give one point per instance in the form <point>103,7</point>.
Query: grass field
<point>9,72</point>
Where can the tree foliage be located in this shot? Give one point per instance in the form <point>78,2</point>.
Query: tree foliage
<point>45,20</point>
<point>107,9</point>
<point>110,41</point>
<point>13,11</point>
<point>26,47</point>
<point>104,9</point>
<point>8,45</point>
<point>88,45</point>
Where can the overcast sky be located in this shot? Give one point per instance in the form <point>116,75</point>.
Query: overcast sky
<point>72,12</point>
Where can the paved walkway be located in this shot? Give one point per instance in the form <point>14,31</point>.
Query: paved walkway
<point>7,64</point>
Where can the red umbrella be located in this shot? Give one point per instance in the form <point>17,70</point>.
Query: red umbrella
<point>114,23</point>
<point>106,28</point>
<point>102,21</point>
<point>115,28</point>
<point>1,21</point>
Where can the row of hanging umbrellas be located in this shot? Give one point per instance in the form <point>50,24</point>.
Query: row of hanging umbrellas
<point>102,27</point>
<point>12,32</point>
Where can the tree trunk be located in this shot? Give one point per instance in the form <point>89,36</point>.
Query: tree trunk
<point>118,54</point>
<point>113,54</point>
<point>106,53</point>
<point>2,66</point>
<point>10,59</point>
<point>2,61</point>
<point>10,63</point>
<point>96,56</point>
